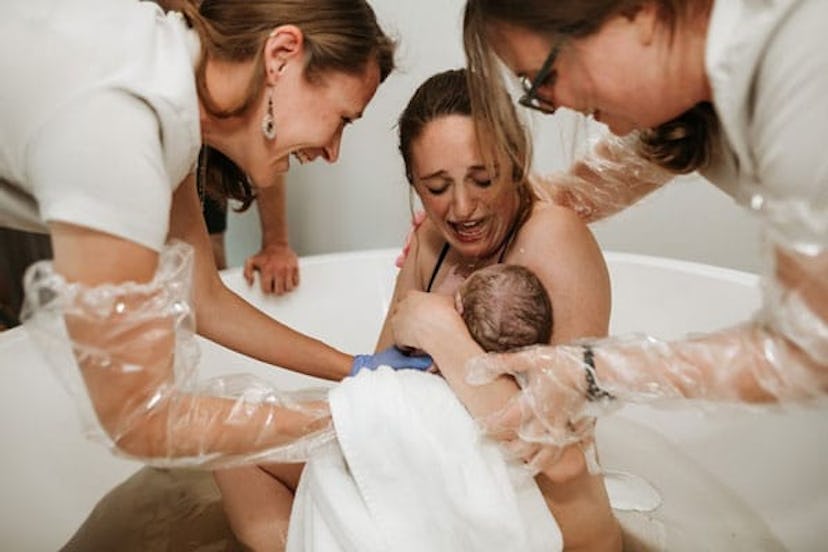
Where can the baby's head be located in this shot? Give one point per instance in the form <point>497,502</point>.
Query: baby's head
<point>505,307</point>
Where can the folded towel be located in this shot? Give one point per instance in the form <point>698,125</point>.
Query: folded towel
<point>410,471</point>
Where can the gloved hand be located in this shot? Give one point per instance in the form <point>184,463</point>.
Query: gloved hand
<point>392,357</point>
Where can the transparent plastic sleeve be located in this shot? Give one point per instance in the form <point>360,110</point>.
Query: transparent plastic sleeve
<point>778,357</point>
<point>127,355</point>
<point>610,177</point>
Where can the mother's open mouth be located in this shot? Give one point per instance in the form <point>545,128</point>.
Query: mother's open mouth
<point>468,230</point>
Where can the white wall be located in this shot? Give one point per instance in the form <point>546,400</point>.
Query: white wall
<point>363,201</point>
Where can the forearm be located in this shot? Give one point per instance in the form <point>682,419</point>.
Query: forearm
<point>128,349</point>
<point>148,415</point>
<point>488,402</point>
<point>276,263</point>
<point>139,370</point>
<point>229,320</point>
<point>748,363</point>
<point>272,216</point>
<point>781,355</point>
<point>201,430</point>
<point>224,317</point>
<point>605,181</point>
<point>448,342</point>
<point>480,400</point>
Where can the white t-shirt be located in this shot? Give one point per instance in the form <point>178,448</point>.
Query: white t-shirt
<point>767,62</point>
<point>99,115</point>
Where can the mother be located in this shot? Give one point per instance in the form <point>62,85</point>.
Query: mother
<point>733,88</point>
<point>477,217</point>
<point>105,106</point>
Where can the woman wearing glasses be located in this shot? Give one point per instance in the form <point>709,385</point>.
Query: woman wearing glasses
<point>733,89</point>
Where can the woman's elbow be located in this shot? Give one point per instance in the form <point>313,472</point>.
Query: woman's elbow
<point>140,433</point>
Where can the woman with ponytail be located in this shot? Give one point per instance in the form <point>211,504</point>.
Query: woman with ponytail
<point>106,106</point>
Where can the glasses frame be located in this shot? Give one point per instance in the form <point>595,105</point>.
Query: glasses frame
<point>530,96</point>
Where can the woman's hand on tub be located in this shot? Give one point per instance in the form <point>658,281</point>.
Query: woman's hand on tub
<point>278,268</point>
<point>394,358</point>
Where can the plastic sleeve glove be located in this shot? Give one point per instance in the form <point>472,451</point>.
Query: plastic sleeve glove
<point>780,356</point>
<point>610,177</point>
<point>392,357</point>
<point>127,354</point>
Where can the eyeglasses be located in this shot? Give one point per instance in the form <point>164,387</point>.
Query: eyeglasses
<point>546,76</point>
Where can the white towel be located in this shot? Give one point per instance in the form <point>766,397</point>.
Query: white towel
<point>410,472</point>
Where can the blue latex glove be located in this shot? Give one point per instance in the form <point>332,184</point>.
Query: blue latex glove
<point>393,357</point>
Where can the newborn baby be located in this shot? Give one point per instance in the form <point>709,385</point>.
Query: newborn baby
<point>505,307</point>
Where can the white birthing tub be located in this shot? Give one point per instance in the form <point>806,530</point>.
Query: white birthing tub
<point>766,469</point>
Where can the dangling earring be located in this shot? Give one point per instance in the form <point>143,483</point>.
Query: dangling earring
<point>268,122</point>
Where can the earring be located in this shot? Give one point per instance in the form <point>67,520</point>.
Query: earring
<point>268,122</point>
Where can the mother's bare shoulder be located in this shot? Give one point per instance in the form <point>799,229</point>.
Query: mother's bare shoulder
<point>554,227</point>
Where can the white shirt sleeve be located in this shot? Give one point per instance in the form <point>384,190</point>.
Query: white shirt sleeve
<point>99,164</point>
<point>790,110</point>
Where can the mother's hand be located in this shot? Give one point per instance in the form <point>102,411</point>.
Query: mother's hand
<point>547,423</point>
<point>423,320</point>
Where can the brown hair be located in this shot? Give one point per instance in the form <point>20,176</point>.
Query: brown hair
<point>339,35</point>
<point>681,145</point>
<point>445,94</point>
<point>506,307</point>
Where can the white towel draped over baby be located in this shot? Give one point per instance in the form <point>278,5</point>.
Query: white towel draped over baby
<point>410,471</point>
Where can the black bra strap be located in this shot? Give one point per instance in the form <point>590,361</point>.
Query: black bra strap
<point>443,252</point>
<point>440,259</point>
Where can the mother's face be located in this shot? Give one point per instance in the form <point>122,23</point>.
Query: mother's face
<point>471,208</point>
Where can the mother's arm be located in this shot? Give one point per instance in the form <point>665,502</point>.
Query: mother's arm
<point>423,245</point>
<point>406,281</point>
<point>559,248</point>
